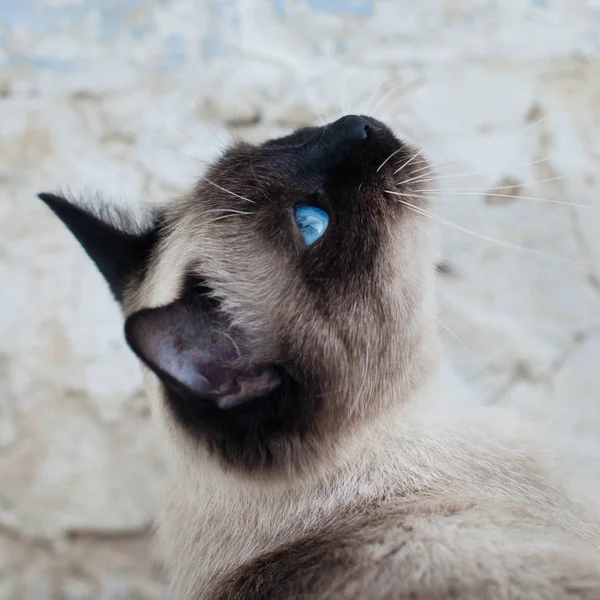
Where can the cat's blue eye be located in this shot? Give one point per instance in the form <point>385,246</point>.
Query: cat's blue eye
<point>312,222</point>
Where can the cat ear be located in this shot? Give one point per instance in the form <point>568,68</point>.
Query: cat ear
<point>118,246</point>
<point>194,354</point>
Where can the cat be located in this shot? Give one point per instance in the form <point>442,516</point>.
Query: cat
<point>284,315</point>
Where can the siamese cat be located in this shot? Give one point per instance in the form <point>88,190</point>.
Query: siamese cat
<point>283,312</point>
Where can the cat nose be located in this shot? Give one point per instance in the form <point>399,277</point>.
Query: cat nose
<point>350,129</point>
<point>346,134</point>
<point>331,146</point>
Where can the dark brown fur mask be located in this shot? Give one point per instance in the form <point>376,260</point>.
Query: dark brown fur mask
<point>266,350</point>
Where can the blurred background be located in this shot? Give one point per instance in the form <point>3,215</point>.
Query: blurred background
<point>128,98</point>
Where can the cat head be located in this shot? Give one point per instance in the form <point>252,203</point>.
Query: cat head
<point>284,300</point>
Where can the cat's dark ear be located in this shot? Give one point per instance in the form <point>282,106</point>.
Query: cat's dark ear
<point>196,355</point>
<point>118,245</point>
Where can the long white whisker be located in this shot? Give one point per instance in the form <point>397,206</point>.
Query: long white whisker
<point>313,105</point>
<point>484,190</point>
<point>475,357</point>
<point>547,115</point>
<point>205,178</point>
<point>169,118</point>
<point>170,145</point>
<point>491,193</point>
<point>486,238</point>
<point>235,345</point>
<point>372,96</point>
<point>229,210</point>
<point>230,215</point>
<point>400,107</point>
<point>228,191</point>
<point>364,380</point>
<point>428,167</point>
<point>389,157</point>
<point>207,123</point>
<point>385,96</point>
<point>344,96</point>
<point>445,163</point>
<point>448,162</point>
<point>413,157</point>
<point>523,165</point>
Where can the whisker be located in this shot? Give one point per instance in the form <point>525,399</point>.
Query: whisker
<point>235,345</point>
<point>547,115</point>
<point>387,94</point>
<point>207,123</point>
<point>332,393</point>
<point>368,110</point>
<point>484,190</point>
<point>169,118</point>
<point>230,215</point>
<point>389,157</point>
<point>229,210</point>
<point>202,177</point>
<point>491,193</point>
<point>487,238</point>
<point>313,105</point>
<point>344,95</point>
<point>364,380</point>
<point>228,191</point>
<point>399,109</point>
<point>170,145</point>
<point>409,160</point>
<point>448,162</point>
<point>461,342</point>
<point>427,167</point>
<point>175,124</point>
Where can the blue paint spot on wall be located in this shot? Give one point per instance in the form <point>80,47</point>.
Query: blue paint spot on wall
<point>37,19</point>
<point>58,65</point>
<point>540,3</point>
<point>28,15</point>
<point>361,8</point>
<point>343,7</point>
<point>175,50</point>
<point>224,26</point>
<point>279,7</point>
<point>139,31</point>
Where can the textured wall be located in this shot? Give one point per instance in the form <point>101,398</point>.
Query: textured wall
<point>129,97</point>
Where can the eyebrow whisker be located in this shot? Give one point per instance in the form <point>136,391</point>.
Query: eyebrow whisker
<point>228,191</point>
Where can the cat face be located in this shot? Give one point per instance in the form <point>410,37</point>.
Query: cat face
<point>281,302</point>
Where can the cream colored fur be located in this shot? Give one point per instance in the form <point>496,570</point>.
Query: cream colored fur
<point>440,443</point>
<point>431,448</point>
